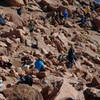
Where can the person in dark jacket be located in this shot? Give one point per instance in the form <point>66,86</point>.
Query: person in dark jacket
<point>26,80</point>
<point>83,20</point>
<point>19,11</point>
<point>2,20</point>
<point>72,56</point>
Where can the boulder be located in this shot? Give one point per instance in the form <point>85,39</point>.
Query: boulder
<point>15,2</point>
<point>51,4</point>
<point>51,87</point>
<point>2,97</point>
<point>95,83</point>
<point>68,92</point>
<point>70,2</point>
<point>92,94</point>
<point>22,92</point>
<point>16,19</point>
<point>96,22</point>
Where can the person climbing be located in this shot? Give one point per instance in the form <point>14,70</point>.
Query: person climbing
<point>83,20</point>
<point>72,56</point>
<point>65,14</point>
<point>2,20</point>
<point>26,80</point>
<point>43,18</point>
<point>31,27</point>
<point>39,65</point>
<point>87,11</point>
<point>19,11</point>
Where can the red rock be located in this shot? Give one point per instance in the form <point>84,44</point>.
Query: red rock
<point>96,21</point>
<point>22,92</point>
<point>2,97</point>
<point>53,5</point>
<point>15,2</point>
<point>92,94</point>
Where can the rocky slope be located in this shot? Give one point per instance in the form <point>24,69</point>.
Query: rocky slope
<point>82,82</point>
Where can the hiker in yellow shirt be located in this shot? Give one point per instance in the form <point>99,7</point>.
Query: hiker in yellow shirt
<point>87,11</point>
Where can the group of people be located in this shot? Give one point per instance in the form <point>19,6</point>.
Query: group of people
<point>72,55</point>
<point>88,10</point>
<point>40,66</point>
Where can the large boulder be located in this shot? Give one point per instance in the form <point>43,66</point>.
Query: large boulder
<point>97,22</point>
<point>51,87</point>
<point>51,4</point>
<point>22,92</point>
<point>67,91</point>
<point>92,94</point>
<point>15,2</point>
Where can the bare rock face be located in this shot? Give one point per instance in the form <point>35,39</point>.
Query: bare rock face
<point>67,91</point>
<point>51,88</point>
<point>51,4</point>
<point>22,92</point>
<point>15,2</point>
<point>92,94</point>
<point>97,22</point>
<point>2,97</point>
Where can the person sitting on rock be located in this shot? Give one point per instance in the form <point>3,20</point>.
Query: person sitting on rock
<point>39,65</point>
<point>26,80</point>
<point>31,27</point>
<point>72,56</point>
<point>2,20</point>
<point>19,11</point>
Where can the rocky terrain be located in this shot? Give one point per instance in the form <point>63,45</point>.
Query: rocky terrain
<point>81,82</point>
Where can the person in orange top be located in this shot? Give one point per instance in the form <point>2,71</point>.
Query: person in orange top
<point>87,11</point>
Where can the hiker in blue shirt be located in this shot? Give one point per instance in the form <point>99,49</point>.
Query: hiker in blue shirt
<point>19,11</point>
<point>65,14</point>
<point>39,65</point>
<point>2,20</point>
<point>83,20</point>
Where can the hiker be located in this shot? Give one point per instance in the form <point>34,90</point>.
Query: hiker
<point>31,27</point>
<point>83,20</point>
<point>65,14</point>
<point>26,80</point>
<point>43,18</point>
<point>1,83</point>
<point>72,56</point>
<point>87,11</point>
<point>61,58</point>
<point>39,65</point>
<point>19,11</point>
<point>2,20</point>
